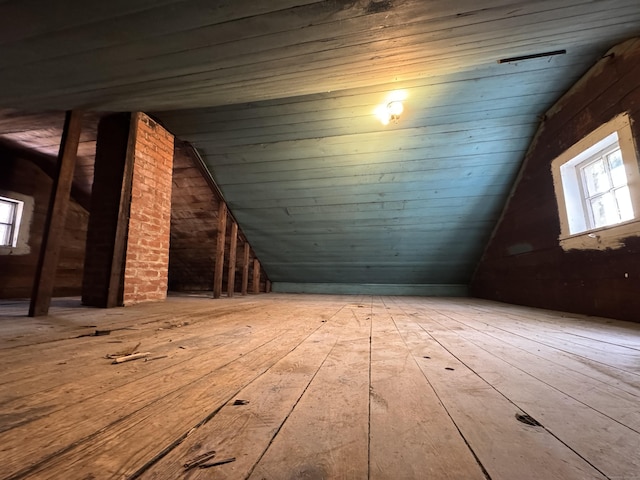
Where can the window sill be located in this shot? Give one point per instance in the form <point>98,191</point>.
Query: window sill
<point>19,250</point>
<point>604,238</point>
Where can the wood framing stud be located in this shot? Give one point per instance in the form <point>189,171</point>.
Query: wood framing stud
<point>245,268</point>
<point>56,216</point>
<point>233,246</point>
<point>222,233</point>
<point>256,275</point>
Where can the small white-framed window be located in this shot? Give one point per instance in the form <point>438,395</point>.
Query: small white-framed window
<point>10,218</point>
<point>16,213</point>
<point>597,185</point>
<point>605,193</point>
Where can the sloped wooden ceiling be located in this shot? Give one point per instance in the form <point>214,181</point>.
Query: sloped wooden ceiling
<point>325,193</point>
<point>278,98</point>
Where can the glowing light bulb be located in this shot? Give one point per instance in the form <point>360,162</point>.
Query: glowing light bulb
<point>395,109</point>
<point>383,114</point>
<point>392,108</point>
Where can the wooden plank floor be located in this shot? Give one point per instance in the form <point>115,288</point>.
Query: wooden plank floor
<point>318,387</point>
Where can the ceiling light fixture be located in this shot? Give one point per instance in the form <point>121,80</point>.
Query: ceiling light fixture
<point>392,108</point>
<point>395,109</point>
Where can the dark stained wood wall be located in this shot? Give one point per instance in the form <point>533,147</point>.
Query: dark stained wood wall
<point>194,230</point>
<point>523,263</point>
<point>194,220</point>
<point>17,271</point>
<point>38,135</point>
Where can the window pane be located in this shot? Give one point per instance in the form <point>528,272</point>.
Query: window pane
<point>618,175</point>
<point>623,197</point>
<point>5,232</point>
<point>596,178</point>
<point>6,211</point>
<point>605,210</point>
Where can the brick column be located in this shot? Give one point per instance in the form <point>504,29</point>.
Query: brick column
<point>147,257</point>
<point>127,254</point>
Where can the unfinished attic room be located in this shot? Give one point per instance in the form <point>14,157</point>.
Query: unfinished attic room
<point>320,239</point>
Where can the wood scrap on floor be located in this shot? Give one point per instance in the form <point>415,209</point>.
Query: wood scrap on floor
<point>128,358</point>
<point>199,460</point>
<point>156,358</point>
<point>123,353</point>
<point>219,462</point>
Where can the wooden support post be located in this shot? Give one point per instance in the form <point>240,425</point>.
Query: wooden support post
<point>116,284</point>
<point>256,275</point>
<point>267,288</point>
<point>56,216</point>
<point>231,276</point>
<point>220,245</point>
<point>245,268</point>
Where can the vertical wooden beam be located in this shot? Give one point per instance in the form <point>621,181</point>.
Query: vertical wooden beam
<point>108,226</point>
<point>267,287</point>
<point>245,268</point>
<point>231,276</point>
<point>222,234</point>
<point>256,275</point>
<point>56,216</point>
<point>116,278</point>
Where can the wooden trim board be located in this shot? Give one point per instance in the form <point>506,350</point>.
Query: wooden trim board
<point>371,289</point>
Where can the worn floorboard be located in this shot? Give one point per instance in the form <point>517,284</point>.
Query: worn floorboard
<point>318,387</point>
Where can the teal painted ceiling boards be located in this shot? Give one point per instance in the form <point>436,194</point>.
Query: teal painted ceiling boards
<point>278,98</point>
<point>326,193</point>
